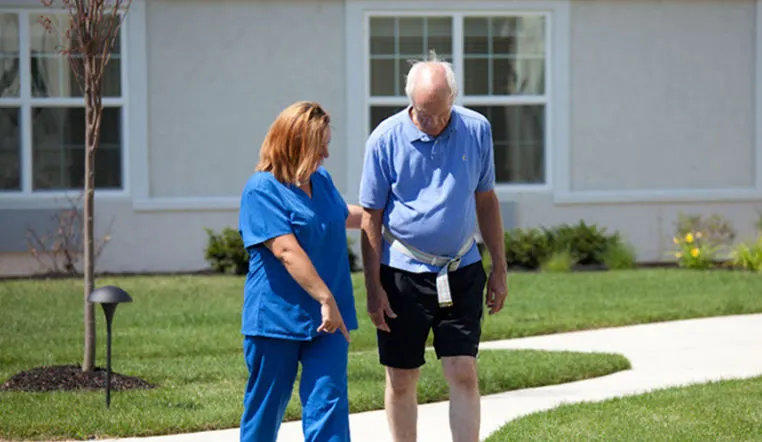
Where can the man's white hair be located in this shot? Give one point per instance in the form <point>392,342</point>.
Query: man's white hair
<point>414,75</point>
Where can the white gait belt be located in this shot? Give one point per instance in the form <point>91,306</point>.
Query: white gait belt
<point>447,264</point>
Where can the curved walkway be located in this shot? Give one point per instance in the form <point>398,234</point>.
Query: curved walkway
<point>662,355</point>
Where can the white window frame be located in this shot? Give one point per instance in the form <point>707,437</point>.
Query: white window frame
<point>556,97</point>
<point>132,99</point>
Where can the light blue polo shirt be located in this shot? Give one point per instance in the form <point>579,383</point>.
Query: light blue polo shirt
<point>274,304</point>
<point>426,184</point>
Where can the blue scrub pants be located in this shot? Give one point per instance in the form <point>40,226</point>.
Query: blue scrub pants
<point>272,365</point>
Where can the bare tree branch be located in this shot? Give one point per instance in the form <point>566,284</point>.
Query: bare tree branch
<point>93,27</point>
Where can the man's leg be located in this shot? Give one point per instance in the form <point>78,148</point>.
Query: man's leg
<point>401,350</point>
<point>465,413</point>
<point>457,331</point>
<point>401,403</point>
<point>323,389</point>
<point>272,365</point>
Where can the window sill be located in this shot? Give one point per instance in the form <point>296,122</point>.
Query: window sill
<point>54,199</point>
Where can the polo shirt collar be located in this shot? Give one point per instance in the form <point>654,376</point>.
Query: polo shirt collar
<point>412,133</point>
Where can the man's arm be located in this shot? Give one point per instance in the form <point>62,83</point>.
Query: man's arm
<point>371,245</point>
<point>491,227</point>
<point>378,301</point>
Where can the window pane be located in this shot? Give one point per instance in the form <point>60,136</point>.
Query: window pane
<point>513,51</point>
<point>380,113</point>
<point>439,34</point>
<point>58,149</point>
<point>381,36</point>
<point>476,76</point>
<point>10,149</point>
<point>518,77</point>
<point>382,74</point>
<point>52,73</point>
<point>518,134</point>
<point>411,36</point>
<point>9,55</point>
<point>475,35</point>
<point>395,42</point>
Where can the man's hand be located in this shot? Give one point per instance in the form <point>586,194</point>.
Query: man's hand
<point>497,290</point>
<point>379,308</point>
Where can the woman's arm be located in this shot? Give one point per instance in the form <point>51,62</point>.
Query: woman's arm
<point>354,220</point>
<point>288,251</point>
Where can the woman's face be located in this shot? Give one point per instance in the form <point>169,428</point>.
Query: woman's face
<point>324,148</point>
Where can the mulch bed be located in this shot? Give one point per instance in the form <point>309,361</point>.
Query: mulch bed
<point>70,377</point>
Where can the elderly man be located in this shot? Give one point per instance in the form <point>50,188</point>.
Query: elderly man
<point>428,177</point>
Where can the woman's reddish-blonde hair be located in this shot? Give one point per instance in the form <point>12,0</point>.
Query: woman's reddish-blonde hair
<point>291,149</point>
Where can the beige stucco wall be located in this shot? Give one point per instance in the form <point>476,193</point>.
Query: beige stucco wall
<point>217,77</point>
<point>141,242</point>
<point>662,94</point>
<point>662,97</point>
<point>218,74</point>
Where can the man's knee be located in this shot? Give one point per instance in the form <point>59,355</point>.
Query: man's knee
<point>461,371</point>
<point>402,381</point>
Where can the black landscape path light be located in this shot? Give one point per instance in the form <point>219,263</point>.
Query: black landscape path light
<point>108,297</point>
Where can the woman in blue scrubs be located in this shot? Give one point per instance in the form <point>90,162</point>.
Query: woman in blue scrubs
<point>298,302</point>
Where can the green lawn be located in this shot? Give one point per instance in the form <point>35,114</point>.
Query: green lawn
<point>182,332</point>
<point>204,392</point>
<point>717,411</point>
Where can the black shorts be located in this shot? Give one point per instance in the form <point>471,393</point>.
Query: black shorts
<point>413,297</point>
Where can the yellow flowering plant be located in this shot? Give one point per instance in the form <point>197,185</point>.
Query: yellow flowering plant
<point>693,252</point>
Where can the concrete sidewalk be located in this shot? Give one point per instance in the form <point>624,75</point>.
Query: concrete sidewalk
<point>662,355</point>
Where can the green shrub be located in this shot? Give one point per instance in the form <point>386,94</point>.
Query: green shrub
<point>353,258</point>
<point>587,243</point>
<point>748,256</point>
<point>619,256</point>
<point>225,252</point>
<point>559,261</point>
<point>528,248</point>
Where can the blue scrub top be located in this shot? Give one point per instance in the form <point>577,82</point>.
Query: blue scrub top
<point>275,305</point>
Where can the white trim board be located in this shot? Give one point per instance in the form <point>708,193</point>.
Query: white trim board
<point>658,196</point>
<point>58,200</point>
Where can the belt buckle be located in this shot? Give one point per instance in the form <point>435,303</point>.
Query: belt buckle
<point>454,264</point>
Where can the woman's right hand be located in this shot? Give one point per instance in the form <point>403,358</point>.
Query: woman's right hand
<point>332,319</point>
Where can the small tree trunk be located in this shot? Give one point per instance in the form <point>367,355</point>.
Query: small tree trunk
<point>91,139</point>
